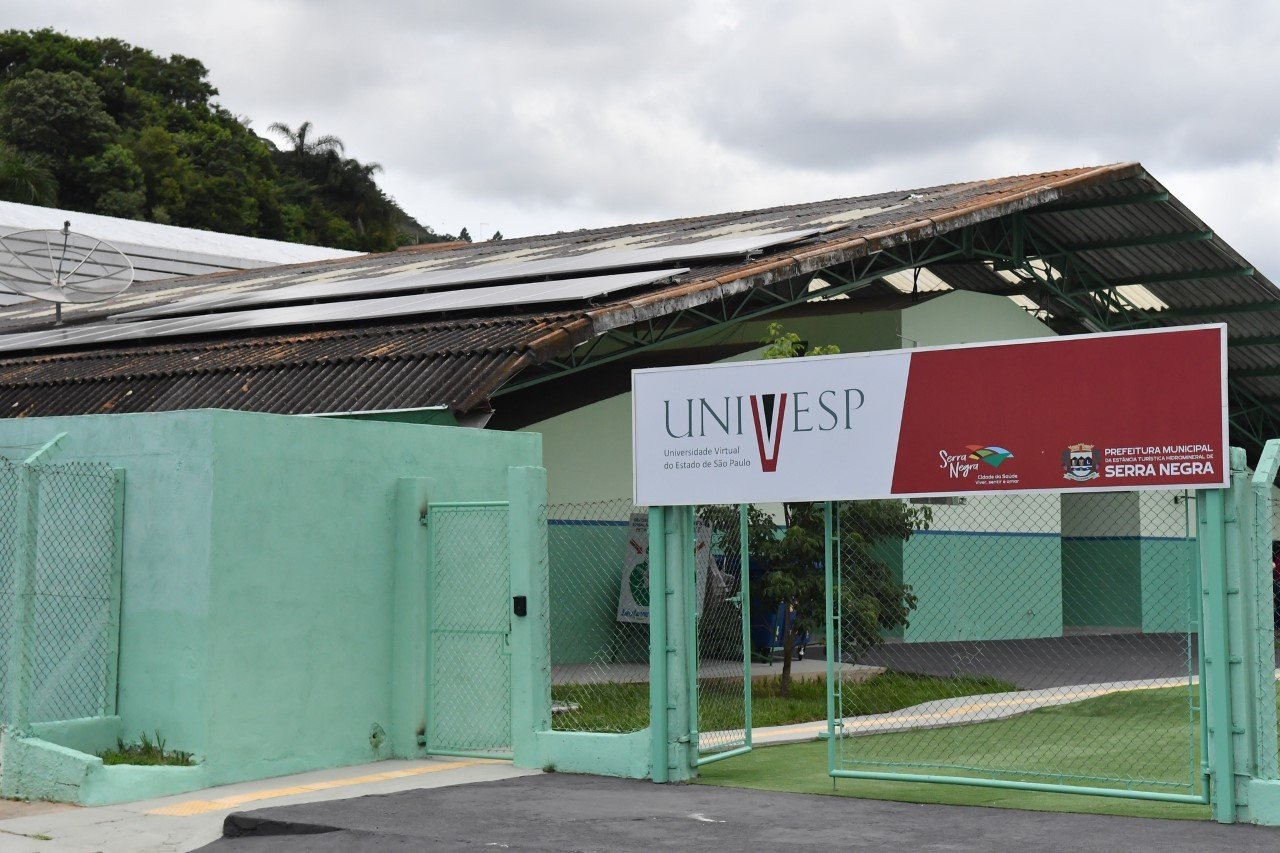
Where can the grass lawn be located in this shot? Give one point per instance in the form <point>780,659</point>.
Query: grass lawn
<point>1141,733</point>
<point>625,707</point>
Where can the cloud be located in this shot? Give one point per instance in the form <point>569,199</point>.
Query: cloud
<point>556,114</point>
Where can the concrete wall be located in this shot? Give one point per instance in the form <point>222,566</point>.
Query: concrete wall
<point>165,591</point>
<point>1127,560</point>
<point>259,552</point>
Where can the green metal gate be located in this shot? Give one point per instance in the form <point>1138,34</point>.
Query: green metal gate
<point>722,636</point>
<point>468,643</point>
<point>1071,651</point>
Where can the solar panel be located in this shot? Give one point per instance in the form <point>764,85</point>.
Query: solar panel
<point>527,293</point>
<point>490,273</point>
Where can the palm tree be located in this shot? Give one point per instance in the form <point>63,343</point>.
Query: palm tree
<point>297,139</point>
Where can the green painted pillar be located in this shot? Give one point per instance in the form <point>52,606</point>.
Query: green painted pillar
<point>659,760</point>
<point>1262,631</point>
<point>409,618</point>
<point>531,633</point>
<point>676,539</point>
<point>1238,682</point>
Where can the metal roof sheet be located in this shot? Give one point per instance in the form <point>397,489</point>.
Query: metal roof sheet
<point>462,360</point>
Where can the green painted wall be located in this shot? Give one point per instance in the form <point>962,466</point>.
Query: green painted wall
<point>1167,593</point>
<point>983,586</point>
<point>257,602</point>
<point>1101,582</point>
<point>964,317</point>
<point>585,561</point>
<point>165,597</point>
<point>302,567</point>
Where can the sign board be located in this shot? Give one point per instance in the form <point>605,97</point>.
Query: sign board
<point>1106,412</point>
<point>633,597</point>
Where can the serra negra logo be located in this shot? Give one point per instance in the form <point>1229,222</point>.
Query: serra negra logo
<point>767,416</point>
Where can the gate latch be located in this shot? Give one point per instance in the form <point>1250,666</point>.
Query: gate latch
<point>520,605</point>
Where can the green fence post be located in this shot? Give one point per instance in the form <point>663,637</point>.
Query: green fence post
<point>658,698</point>
<point>26,553</point>
<point>1215,682</point>
<point>832,645</point>
<point>683,756</point>
<point>111,679</point>
<point>688,546</point>
<point>27,528</point>
<point>1263,645</point>
<point>744,590</point>
<point>530,634</point>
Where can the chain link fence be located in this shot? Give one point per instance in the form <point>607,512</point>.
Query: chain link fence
<point>722,656</point>
<point>598,570</point>
<point>60,529</point>
<point>1058,630</point>
<point>469,664</point>
<point>1269,609</point>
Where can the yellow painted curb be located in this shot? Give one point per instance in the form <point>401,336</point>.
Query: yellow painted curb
<point>197,807</point>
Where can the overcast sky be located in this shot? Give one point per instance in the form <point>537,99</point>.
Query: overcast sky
<point>549,115</point>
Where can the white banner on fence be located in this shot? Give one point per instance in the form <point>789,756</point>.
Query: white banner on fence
<point>633,597</point>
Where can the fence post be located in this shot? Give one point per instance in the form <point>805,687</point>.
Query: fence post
<point>744,591</point>
<point>26,548</point>
<point>530,634</point>
<point>658,701</point>
<point>28,526</point>
<point>110,689</point>
<point>833,649</point>
<point>1215,685</point>
<point>1261,637</point>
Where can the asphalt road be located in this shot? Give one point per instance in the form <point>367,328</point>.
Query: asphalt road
<point>587,813</point>
<point>1046,662</point>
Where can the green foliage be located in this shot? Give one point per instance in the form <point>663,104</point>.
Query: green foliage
<point>779,343</point>
<point>625,707</point>
<point>100,126</point>
<point>145,751</point>
<point>25,177</point>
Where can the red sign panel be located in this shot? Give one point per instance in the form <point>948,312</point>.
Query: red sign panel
<point>1114,411</point>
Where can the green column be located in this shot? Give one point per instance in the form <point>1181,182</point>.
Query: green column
<point>682,655</point>
<point>659,759</point>
<point>530,634</point>
<point>409,618</point>
<point>1215,681</point>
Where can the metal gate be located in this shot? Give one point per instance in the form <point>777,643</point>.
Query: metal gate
<point>1048,643</point>
<point>469,635</point>
<point>722,605</point>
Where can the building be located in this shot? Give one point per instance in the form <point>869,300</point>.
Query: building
<point>540,334</point>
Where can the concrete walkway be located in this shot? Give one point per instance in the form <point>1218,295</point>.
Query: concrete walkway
<point>187,821</point>
<point>941,713</point>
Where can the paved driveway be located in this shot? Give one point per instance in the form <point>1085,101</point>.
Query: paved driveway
<point>582,813</point>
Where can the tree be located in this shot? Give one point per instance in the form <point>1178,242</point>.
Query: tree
<point>497,235</point>
<point>99,125</point>
<point>26,178</point>
<point>300,142</point>
<point>56,114</point>
<point>464,234</point>
<point>872,600</point>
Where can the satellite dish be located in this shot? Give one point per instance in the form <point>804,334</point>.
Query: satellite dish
<point>63,266</point>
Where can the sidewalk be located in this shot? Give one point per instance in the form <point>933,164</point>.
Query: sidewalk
<point>187,821</point>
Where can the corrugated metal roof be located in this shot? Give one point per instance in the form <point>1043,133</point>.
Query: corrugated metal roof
<point>460,360</point>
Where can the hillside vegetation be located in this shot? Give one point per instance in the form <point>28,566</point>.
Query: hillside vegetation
<point>100,126</point>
